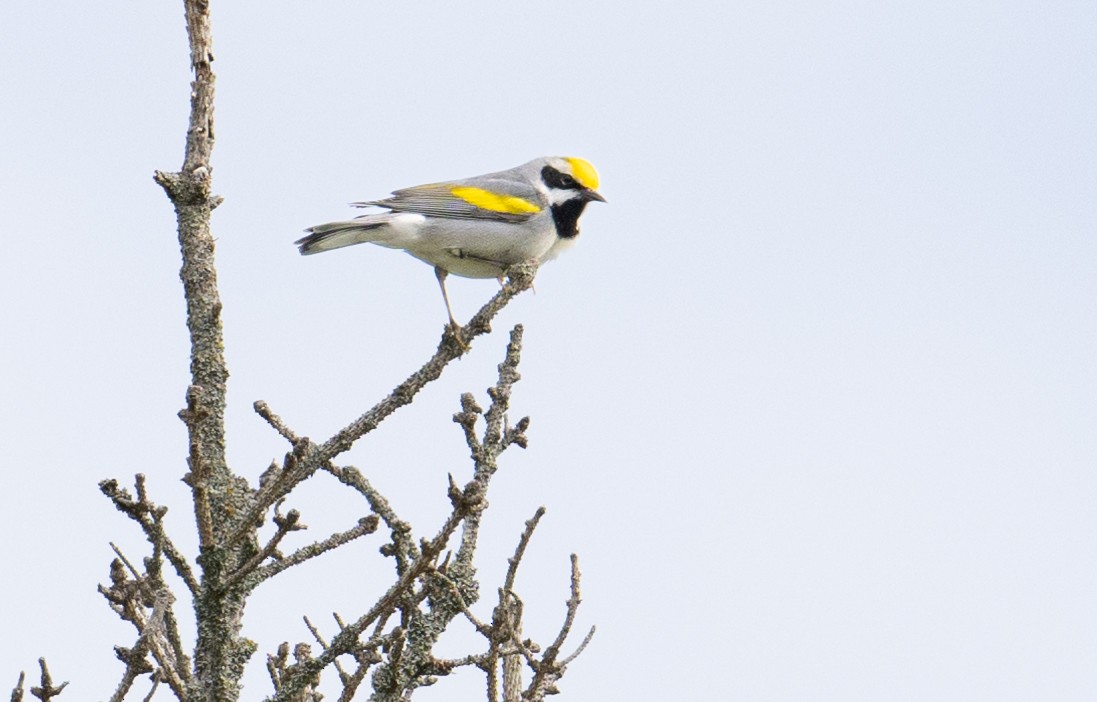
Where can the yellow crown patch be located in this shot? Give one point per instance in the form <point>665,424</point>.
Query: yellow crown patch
<point>583,172</point>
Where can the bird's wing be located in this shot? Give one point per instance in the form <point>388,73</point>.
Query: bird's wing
<point>475,198</point>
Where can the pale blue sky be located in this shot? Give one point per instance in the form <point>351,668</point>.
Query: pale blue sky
<point>814,397</point>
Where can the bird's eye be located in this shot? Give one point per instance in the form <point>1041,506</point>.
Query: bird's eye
<point>558,179</point>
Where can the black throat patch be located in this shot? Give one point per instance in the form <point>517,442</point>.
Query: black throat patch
<point>566,216</point>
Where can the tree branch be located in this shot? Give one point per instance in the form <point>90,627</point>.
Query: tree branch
<point>519,279</point>
<point>135,658</point>
<point>46,691</point>
<point>346,641</point>
<point>307,457</point>
<point>366,525</point>
<point>157,633</point>
<point>404,550</point>
<point>547,671</point>
<point>150,517</point>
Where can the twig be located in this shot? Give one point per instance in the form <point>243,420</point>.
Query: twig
<point>47,690</point>
<point>17,691</point>
<point>548,670</point>
<point>128,599</point>
<point>125,561</point>
<point>572,608</point>
<point>263,410</point>
<point>507,623</point>
<point>324,644</point>
<point>508,620</point>
<point>152,690</point>
<point>519,279</point>
<point>200,471</point>
<point>134,658</point>
<point>582,646</point>
<point>366,656</point>
<point>366,525</point>
<point>346,640</point>
<point>285,525</point>
<point>177,674</point>
<point>520,550</point>
<point>275,484</point>
<point>307,457</point>
<point>445,666</point>
<point>404,547</point>
<point>481,627</point>
<point>500,392</point>
<point>149,516</point>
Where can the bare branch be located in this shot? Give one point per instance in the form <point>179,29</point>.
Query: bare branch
<point>263,410</point>
<point>572,608</point>
<point>519,279</point>
<point>150,517</point>
<point>343,677</point>
<point>135,658</point>
<point>366,525</point>
<point>46,691</point>
<point>520,551</point>
<point>189,192</point>
<point>174,663</point>
<point>285,525</point>
<point>366,656</point>
<point>346,641</point>
<point>582,647</point>
<point>157,633</point>
<point>404,548</point>
<point>17,691</point>
<point>481,627</point>
<point>306,457</point>
<point>275,483</point>
<point>200,471</point>
<point>548,670</point>
<point>155,686</point>
<point>508,620</point>
<point>500,392</point>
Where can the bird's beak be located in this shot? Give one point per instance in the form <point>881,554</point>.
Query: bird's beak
<point>589,194</point>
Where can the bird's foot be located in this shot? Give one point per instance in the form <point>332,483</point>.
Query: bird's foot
<point>453,329</point>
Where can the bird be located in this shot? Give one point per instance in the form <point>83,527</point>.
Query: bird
<point>474,227</point>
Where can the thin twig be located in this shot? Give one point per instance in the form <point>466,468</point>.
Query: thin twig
<point>366,525</point>
<point>263,410</point>
<point>582,646</point>
<point>481,627</point>
<point>200,470</point>
<point>514,561</point>
<point>17,691</point>
<point>406,550</point>
<point>127,599</point>
<point>150,518</point>
<point>346,641</point>
<point>572,608</point>
<point>276,483</point>
<point>152,690</point>
<point>324,644</point>
<point>47,690</point>
<point>285,525</point>
<point>134,658</point>
<point>519,279</point>
<point>548,670</point>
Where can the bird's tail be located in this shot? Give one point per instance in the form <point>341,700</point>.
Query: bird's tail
<point>336,235</point>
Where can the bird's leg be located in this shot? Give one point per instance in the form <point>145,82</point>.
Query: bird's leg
<point>441,274</point>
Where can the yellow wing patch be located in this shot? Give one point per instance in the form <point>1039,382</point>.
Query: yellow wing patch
<point>584,172</point>
<point>485,199</point>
